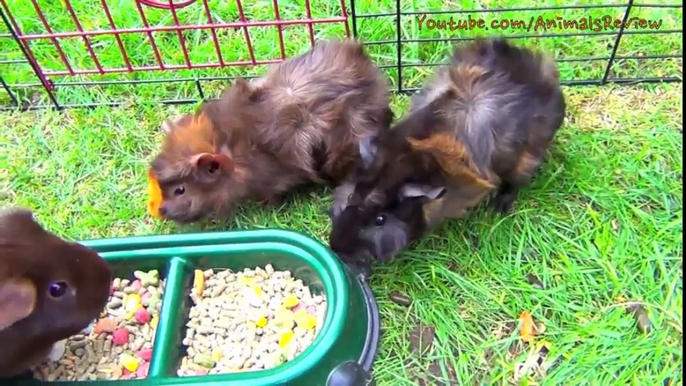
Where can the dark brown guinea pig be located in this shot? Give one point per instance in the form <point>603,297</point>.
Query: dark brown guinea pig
<point>50,289</point>
<point>482,124</point>
<point>298,124</point>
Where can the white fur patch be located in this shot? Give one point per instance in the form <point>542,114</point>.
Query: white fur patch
<point>57,351</point>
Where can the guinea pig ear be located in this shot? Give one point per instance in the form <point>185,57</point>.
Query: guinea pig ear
<point>368,150</point>
<point>244,90</point>
<point>18,223</point>
<point>169,124</point>
<point>427,192</point>
<point>208,167</point>
<point>18,297</point>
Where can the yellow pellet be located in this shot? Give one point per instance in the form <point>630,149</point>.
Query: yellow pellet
<point>129,362</point>
<point>261,322</point>
<point>245,280</point>
<point>199,282</point>
<point>133,302</point>
<point>217,354</point>
<point>291,301</point>
<point>286,338</point>
<point>154,321</point>
<point>305,320</point>
<point>258,291</point>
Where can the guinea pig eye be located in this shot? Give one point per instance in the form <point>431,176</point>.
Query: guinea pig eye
<point>179,191</point>
<point>58,289</point>
<point>380,220</point>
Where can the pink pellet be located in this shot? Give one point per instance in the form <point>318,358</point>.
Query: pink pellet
<point>145,355</point>
<point>136,285</point>
<point>120,337</point>
<point>201,372</point>
<point>311,310</point>
<point>298,306</point>
<point>142,370</point>
<point>142,315</point>
<point>145,298</point>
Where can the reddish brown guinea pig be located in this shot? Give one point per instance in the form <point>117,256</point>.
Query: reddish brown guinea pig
<point>298,124</point>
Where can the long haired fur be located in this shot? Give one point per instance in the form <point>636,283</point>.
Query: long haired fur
<point>300,123</point>
<point>481,124</point>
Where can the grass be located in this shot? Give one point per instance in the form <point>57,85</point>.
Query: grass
<point>600,226</point>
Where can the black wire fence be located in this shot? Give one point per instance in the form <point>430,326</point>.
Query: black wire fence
<point>403,41</point>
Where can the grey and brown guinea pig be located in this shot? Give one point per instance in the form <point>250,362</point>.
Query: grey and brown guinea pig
<point>480,127</point>
<point>50,289</point>
<point>377,227</point>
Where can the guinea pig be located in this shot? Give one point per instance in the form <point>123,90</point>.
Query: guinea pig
<point>480,127</point>
<point>50,289</point>
<point>298,124</point>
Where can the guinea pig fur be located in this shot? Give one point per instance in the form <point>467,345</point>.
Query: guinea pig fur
<point>50,289</point>
<point>299,124</point>
<point>480,125</point>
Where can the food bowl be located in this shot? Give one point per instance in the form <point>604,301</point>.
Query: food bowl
<point>342,352</point>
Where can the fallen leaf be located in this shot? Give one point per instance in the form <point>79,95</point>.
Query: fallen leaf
<point>534,281</point>
<point>615,224</point>
<point>526,330</point>
<point>534,363</point>
<point>641,316</point>
<point>540,328</point>
<point>400,299</point>
<point>421,338</point>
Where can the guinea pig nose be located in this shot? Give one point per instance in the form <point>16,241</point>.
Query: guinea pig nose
<point>163,210</point>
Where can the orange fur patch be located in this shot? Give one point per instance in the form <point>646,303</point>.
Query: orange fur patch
<point>527,164</point>
<point>195,133</point>
<point>464,78</point>
<point>154,196</point>
<point>452,156</point>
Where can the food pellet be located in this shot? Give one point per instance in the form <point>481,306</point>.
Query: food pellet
<point>249,320</point>
<point>119,344</point>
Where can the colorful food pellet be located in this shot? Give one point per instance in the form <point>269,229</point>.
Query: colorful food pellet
<point>129,362</point>
<point>120,337</point>
<point>291,301</point>
<point>142,315</point>
<point>216,354</point>
<point>142,370</point>
<point>198,283</point>
<point>304,319</point>
<point>133,302</point>
<point>250,320</point>
<point>286,338</point>
<point>105,325</point>
<point>145,355</point>
<point>119,344</point>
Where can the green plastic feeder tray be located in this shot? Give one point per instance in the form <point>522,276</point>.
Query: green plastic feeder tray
<point>343,351</point>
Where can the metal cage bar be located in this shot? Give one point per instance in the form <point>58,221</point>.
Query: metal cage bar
<point>52,80</point>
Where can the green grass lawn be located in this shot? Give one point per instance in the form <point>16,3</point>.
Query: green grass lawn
<point>600,226</point>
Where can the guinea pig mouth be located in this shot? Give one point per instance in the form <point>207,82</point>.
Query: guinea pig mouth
<point>184,218</point>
